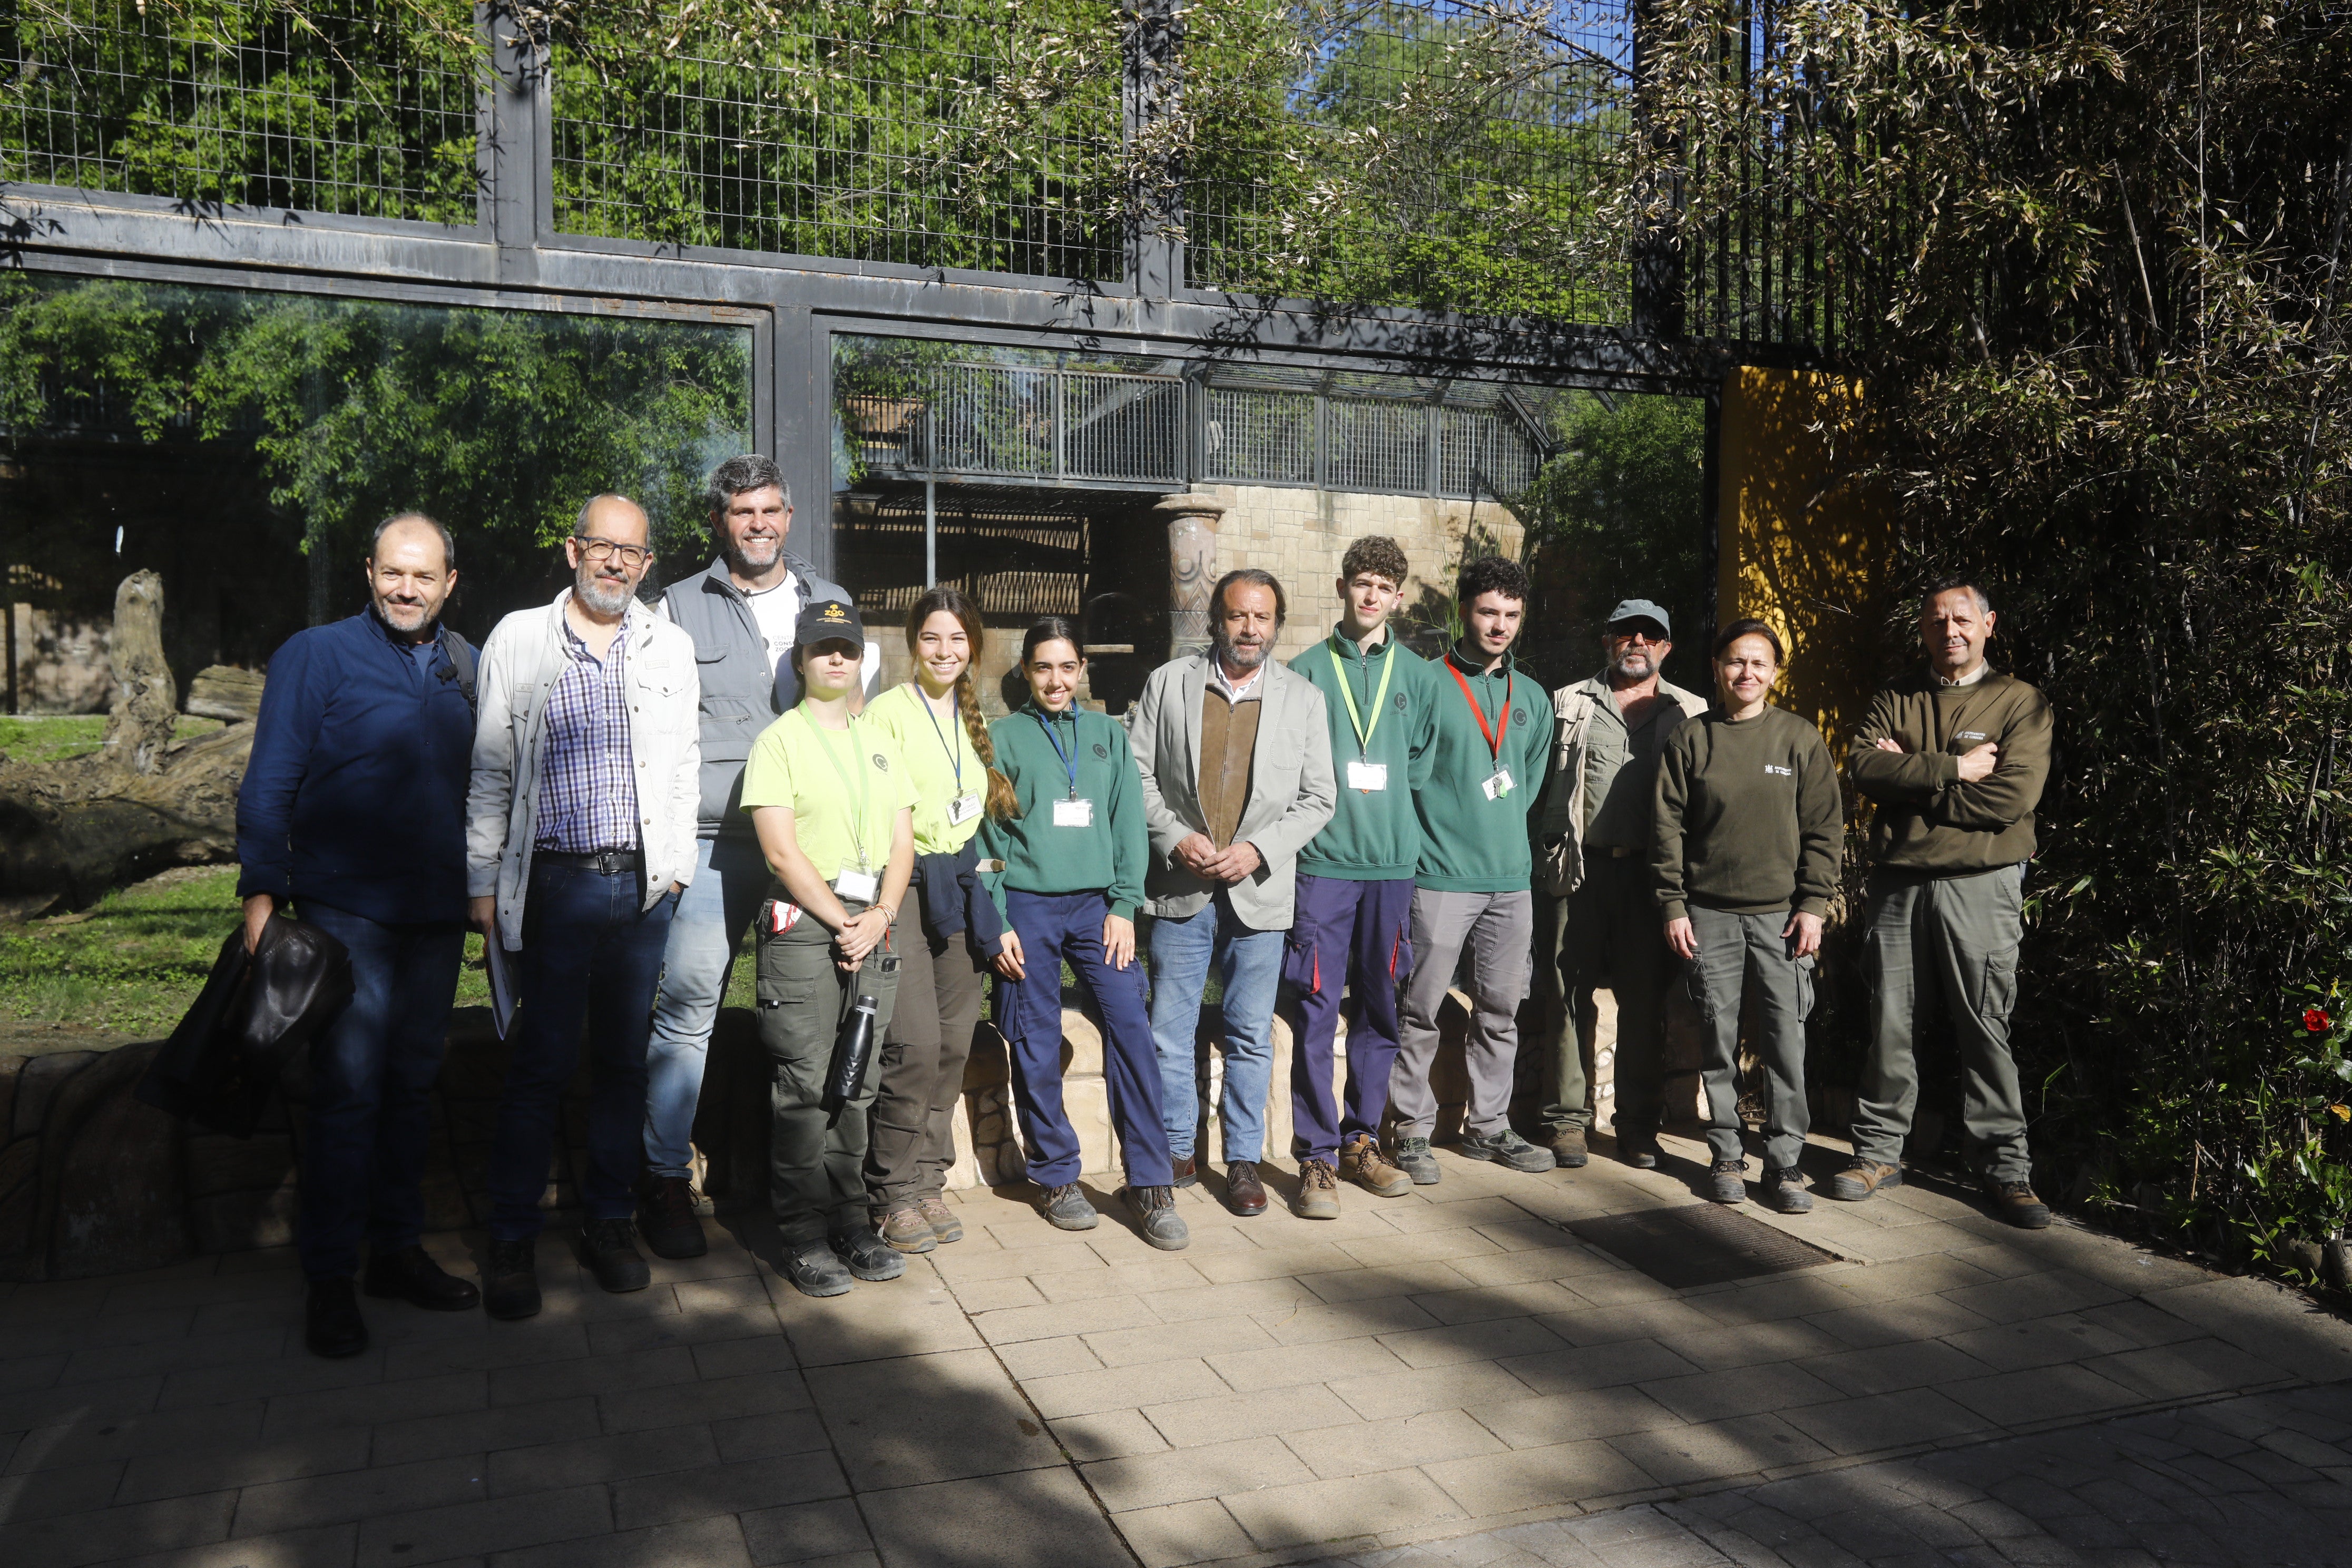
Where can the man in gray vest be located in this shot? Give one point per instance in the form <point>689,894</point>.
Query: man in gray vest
<point>741,614</point>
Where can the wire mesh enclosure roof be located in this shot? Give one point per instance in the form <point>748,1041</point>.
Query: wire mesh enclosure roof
<point>360,107</point>
<point>1017,552</point>
<point>967,134</point>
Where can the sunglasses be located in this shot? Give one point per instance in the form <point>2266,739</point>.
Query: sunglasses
<point>1640,631</point>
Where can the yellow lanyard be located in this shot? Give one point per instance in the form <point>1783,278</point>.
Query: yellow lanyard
<point>865,783</point>
<point>1348,695</point>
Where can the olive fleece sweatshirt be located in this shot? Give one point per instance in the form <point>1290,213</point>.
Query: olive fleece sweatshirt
<point>1928,823</point>
<point>1749,820</point>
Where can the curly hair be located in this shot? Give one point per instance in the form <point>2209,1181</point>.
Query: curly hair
<point>1490,574</point>
<point>1378,554</point>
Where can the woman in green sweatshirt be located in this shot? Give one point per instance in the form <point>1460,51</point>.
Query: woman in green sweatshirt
<point>1750,825</point>
<point>1074,855</point>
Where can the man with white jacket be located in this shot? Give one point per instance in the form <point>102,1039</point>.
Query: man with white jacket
<point>578,838</point>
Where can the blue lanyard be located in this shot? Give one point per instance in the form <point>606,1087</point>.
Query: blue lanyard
<point>1070,757</point>
<point>954,756</point>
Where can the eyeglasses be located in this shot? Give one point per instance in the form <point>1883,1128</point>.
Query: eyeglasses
<point>602,550</point>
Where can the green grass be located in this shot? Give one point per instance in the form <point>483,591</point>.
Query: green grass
<point>54,738</point>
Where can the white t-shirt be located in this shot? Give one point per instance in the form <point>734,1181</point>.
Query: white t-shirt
<point>777,611</point>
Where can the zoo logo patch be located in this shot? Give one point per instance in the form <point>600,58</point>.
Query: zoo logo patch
<point>881,763</point>
<point>1400,702</point>
<point>1102,751</point>
<point>1518,715</point>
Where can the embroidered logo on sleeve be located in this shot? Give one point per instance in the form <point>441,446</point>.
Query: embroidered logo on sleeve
<point>1777,768</point>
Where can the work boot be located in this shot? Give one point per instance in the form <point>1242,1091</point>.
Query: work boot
<point>609,1248</point>
<point>2015,1202</point>
<point>1863,1177</point>
<point>1639,1150</point>
<point>1784,1189</point>
<point>411,1276</point>
<point>1506,1148</point>
<point>331,1324</point>
<point>1362,1162</point>
<point>1245,1193</point>
<point>666,1219</point>
<point>1319,1191</point>
<point>941,1218</point>
<point>1726,1181</point>
<point>1066,1209</point>
<point>1568,1150</point>
<point>510,1288</point>
<point>866,1254</point>
<point>1188,1171</point>
<point>904,1229</point>
<point>1413,1158</point>
<point>1155,1214</point>
<point>813,1269</point>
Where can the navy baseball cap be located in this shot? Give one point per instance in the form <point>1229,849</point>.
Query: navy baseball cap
<point>829,620</point>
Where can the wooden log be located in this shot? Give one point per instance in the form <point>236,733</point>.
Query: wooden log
<point>146,702</point>
<point>225,691</point>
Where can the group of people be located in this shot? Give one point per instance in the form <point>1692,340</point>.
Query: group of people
<point>612,791</point>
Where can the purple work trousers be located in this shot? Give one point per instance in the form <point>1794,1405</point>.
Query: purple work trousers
<point>1358,936</point>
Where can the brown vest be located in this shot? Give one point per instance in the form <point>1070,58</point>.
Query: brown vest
<point>1228,740</point>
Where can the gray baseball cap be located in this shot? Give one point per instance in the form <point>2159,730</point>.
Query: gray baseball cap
<point>1642,610</point>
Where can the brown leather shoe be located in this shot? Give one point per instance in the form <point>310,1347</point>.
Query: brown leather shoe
<point>2015,1202</point>
<point>1362,1163</point>
<point>1319,1191</point>
<point>905,1228</point>
<point>1863,1177</point>
<point>1187,1173</point>
<point>941,1218</point>
<point>1568,1148</point>
<point>1245,1193</point>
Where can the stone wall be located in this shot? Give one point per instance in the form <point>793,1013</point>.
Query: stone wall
<point>62,661</point>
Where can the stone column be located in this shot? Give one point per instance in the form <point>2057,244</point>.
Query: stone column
<point>1192,565</point>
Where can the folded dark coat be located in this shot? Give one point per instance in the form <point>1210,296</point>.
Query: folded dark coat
<point>221,1065</point>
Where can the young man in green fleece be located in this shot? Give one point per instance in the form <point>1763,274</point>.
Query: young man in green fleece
<point>1351,929</point>
<point>1492,739</point>
<point>1955,758</point>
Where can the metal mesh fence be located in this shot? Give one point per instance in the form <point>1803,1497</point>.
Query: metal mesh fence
<point>364,107</point>
<point>970,133</point>
<point>1261,435</point>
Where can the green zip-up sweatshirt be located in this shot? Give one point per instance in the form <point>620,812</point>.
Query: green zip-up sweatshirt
<point>1928,822</point>
<point>1470,844</point>
<point>1040,857</point>
<point>1749,820</point>
<point>1374,836</point>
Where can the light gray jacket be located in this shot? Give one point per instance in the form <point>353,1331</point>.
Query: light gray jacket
<point>1559,819</point>
<point>1292,795</point>
<point>520,667</point>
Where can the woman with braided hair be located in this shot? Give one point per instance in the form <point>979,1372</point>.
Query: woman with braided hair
<point>935,718</point>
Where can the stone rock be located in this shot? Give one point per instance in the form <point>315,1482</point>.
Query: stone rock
<point>20,1193</point>
<point>11,1068</point>
<point>110,1173</point>
<point>217,1163</point>
<point>242,1220</point>
<point>37,1082</point>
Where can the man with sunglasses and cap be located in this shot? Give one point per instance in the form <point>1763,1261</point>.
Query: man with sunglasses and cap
<point>1600,925</point>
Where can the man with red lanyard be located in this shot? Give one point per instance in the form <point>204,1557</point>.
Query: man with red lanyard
<point>1471,890</point>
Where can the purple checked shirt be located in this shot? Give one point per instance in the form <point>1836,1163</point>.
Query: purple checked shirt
<point>587,796</point>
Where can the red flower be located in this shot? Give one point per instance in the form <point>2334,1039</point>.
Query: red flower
<point>2315,1020</point>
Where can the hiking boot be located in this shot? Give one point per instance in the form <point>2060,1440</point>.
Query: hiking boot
<point>1187,1173</point>
<point>510,1288</point>
<point>1784,1189</point>
<point>331,1324</point>
<point>2015,1202</point>
<point>1066,1209</point>
<point>1863,1177</point>
<point>1319,1191</point>
<point>1507,1148</point>
<point>666,1219</point>
<point>813,1269</point>
<point>941,1218</point>
<point>609,1248</point>
<point>1413,1158</point>
<point>1568,1150</point>
<point>1726,1181</point>
<point>904,1229</point>
<point>1245,1193</point>
<point>1362,1162</point>
<point>411,1276</point>
<point>1155,1214</point>
<point>1639,1150</point>
<point>868,1257</point>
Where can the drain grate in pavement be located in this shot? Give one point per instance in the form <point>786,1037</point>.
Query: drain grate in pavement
<point>1698,1244</point>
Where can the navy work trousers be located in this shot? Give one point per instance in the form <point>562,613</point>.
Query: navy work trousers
<point>1357,936</point>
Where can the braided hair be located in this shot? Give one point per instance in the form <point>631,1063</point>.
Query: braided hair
<point>1003,802</point>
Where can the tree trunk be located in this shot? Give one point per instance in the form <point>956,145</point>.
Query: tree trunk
<point>146,702</point>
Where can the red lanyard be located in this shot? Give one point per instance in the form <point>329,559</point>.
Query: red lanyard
<point>1493,732</point>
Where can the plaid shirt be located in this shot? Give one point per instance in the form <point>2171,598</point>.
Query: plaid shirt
<point>587,795</point>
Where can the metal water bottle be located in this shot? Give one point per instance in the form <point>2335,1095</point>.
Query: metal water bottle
<point>853,1048</point>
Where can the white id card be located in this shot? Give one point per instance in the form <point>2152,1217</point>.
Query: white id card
<point>857,886</point>
<point>962,809</point>
<point>1074,814</point>
<point>1498,785</point>
<point>1366,775</point>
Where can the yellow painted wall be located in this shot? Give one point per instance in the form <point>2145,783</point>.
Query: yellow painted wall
<point>1805,556</point>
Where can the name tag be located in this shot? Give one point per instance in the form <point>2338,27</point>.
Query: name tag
<point>1074,814</point>
<point>1498,785</point>
<point>857,886</point>
<point>1368,776</point>
<point>962,809</point>
<point>1777,768</point>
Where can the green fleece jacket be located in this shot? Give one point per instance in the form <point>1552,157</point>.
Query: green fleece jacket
<point>1374,836</point>
<point>1110,855</point>
<point>1927,821</point>
<point>1469,843</point>
<point>1749,820</point>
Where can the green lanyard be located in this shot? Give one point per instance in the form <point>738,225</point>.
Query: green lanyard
<point>1348,695</point>
<point>865,783</point>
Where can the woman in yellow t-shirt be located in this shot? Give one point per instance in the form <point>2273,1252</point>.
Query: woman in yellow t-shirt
<point>833,807</point>
<point>935,718</point>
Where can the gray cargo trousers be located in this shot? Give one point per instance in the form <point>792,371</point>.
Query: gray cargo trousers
<point>817,1160</point>
<point>1498,929</point>
<point>1741,957</point>
<point>1944,946</point>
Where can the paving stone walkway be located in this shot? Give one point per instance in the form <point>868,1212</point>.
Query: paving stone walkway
<point>1426,1380</point>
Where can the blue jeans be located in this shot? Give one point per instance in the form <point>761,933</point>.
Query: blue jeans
<point>730,878</point>
<point>587,950</point>
<point>1249,963</point>
<point>371,1074</point>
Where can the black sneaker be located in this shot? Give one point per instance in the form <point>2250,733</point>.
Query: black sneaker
<point>1155,1214</point>
<point>667,1221</point>
<point>1508,1148</point>
<point>411,1276</point>
<point>1413,1158</point>
<point>1726,1181</point>
<point>331,1324</point>
<point>869,1257</point>
<point>1784,1189</point>
<point>609,1249</point>
<point>813,1269</point>
<point>510,1288</point>
<point>1066,1209</point>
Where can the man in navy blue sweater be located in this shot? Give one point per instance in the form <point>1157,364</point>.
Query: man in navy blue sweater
<point>353,810</point>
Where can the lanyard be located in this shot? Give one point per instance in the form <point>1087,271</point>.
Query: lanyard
<point>865,783</point>
<point>1493,732</point>
<point>1070,757</point>
<point>954,756</point>
<point>1348,695</point>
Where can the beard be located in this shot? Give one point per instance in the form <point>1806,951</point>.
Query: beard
<point>748,561</point>
<point>604,598</point>
<point>405,617</point>
<point>1633,664</point>
<point>1235,657</point>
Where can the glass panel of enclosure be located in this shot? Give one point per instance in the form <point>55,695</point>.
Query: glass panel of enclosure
<point>244,445</point>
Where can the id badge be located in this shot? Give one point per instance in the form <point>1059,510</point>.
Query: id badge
<point>857,886</point>
<point>1368,776</point>
<point>1074,814</point>
<point>1498,785</point>
<point>962,809</point>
